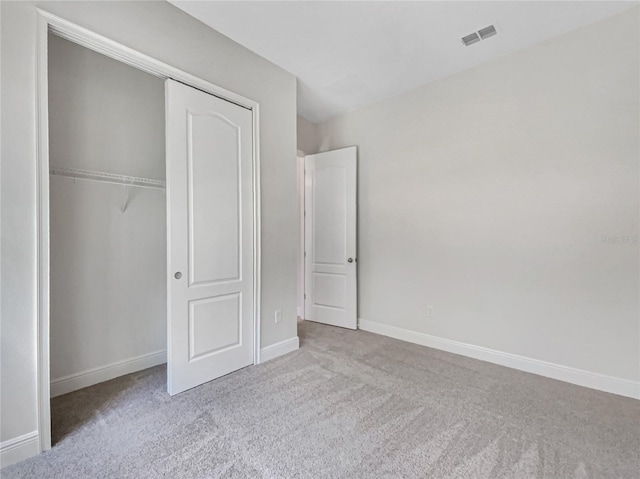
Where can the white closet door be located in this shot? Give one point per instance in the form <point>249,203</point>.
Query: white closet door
<point>210,237</point>
<point>330,238</point>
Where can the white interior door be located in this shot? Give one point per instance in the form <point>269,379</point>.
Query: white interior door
<point>330,238</point>
<point>210,237</point>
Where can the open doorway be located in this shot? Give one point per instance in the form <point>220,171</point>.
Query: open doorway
<point>328,262</point>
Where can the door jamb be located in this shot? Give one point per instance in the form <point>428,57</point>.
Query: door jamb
<point>48,22</point>
<point>301,228</point>
<point>308,237</point>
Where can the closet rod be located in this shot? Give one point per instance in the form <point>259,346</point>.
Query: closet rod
<point>107,177</point>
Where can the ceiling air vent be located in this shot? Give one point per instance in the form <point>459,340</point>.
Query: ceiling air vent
<point>470,39</point>
<point>487,32</point>
<point>481,34</point>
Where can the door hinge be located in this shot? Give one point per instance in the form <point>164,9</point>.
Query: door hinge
<point>305,295</point>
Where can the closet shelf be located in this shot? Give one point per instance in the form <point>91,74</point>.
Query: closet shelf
<point>107,177</point>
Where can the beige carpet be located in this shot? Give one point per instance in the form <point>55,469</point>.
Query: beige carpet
<point>348,404</point>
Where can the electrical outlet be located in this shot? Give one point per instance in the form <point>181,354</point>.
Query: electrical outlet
<point>278,315</point>
<point>429,311</point>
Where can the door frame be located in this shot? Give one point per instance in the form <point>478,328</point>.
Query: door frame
<point>49,23</point>
<point>300,187</point>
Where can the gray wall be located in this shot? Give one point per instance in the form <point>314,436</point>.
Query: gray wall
<point>108,267</point>
<point>308,136</point>
<point>165,33</point>
<point>488,194</point>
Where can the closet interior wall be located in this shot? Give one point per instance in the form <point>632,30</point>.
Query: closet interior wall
<point>108,266</point>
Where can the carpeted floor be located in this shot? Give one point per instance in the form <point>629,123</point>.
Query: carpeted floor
<point>348,404</point>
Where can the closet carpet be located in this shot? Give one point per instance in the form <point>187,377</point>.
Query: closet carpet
<point>348,404</point>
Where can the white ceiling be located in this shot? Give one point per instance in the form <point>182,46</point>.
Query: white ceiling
<point>349,54</point>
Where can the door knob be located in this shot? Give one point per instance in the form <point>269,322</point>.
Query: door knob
<point>350,260</point>
<point>178,275</point>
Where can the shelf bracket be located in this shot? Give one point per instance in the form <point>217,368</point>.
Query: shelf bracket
<point>126,190</point>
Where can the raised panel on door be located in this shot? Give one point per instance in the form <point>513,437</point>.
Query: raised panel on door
<point>214,199</point>
<point>330,238</point>
<point>214,325</point>
<point>210,225</point>
<point>329,215</point>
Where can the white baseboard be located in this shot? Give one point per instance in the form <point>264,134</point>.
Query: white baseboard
<point>19,448</point>
<point>279,349</point>
<point>611,384</point>
<point>73,382</point>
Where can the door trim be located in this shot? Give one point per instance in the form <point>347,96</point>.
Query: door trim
<point>48,22</point>
<point>301,282</point>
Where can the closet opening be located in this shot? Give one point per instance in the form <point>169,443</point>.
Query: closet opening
<point>148,182</point>
<point>108,232</point>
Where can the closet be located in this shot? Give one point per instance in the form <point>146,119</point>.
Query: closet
<point>108,235</point>
<point>146,269</point>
